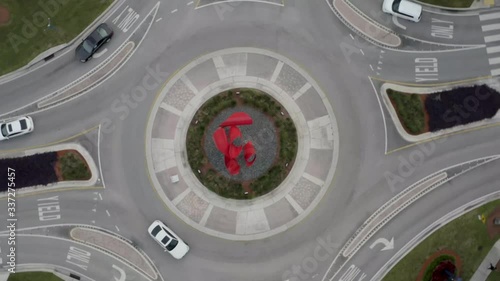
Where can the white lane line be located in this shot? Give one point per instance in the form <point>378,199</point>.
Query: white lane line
<point>190,3</point>
<point>117,228</point>
<point>489,16</point>
<point>100,196</point>
<point>492,38</point>
<point>491,50</point>
<point>107,212</point>
<point>362,52</point>
<point>494,60</point>
<point>98,54</point>
<point>173,11</point>
<point>396,22</point>
<point>495,72</point>
<point>159,19</point>
<point>490,27</point>
<point>351,36</point>
<point>371,67</point>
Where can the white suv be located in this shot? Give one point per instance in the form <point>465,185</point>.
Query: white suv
<point>403,9</point>
<point>16,127</point>
<point>168,239</point>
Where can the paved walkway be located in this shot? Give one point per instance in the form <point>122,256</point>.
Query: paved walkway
<point>364,25</point>
<point>493,257</point>
<point>309,178</point>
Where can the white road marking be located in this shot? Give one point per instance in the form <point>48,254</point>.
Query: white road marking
<point>93,222</point>
<point>277,71</point>
<point>495,72</point>
<point>77,254</point>
<point>44,209</point>
<point>490,27</point>
<point>371,67</point>
<point>494,60</point>
<point>489,16</point>
<point>100,53</point>
<point>115,20</point>
<point>173,11</point>
<point>362,52</point>
<point>100,196</point>
<point>117,228</point>
<point>122,273</point>
<point>492,38</point>
<point>190,3</point>
<point>396,22</point>
<point>94,210</point>
<point>107,212</point>
<point>491,50</point>
<point>351,36</point>
<point>159,19</point>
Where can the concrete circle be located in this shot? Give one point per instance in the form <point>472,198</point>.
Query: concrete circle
<point>309,109</point>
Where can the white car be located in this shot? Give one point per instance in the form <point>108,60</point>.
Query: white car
<point>403,9</point>
<point>168,239</point>
<point>17,127</point>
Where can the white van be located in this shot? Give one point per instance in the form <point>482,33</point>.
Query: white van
<point>403,9</point>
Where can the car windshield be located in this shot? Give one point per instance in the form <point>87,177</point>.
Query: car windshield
<point>395,5</point>
<point>23,123</point>
<point>156,230</point>
<point>102,32</point>
<point>3,128</point>
<point>165,240</point>
<point>88,46</point>
<point>172,244</point>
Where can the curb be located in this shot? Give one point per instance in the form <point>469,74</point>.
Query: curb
<point>485,7</point>
<point>48,56</point>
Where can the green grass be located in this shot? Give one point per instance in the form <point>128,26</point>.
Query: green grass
<point>33,276</point>
<point>410,111</point>
<point>70,18</point>
<point>466,235</point>
<point>450,3</point>
<point>218,183</point>
<point>74,168</point>
<point>494,276</point>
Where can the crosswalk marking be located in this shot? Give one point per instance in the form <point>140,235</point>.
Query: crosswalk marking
<point>490,27</point>
<point>492,38</point>
<point>492,50</point>
<point>494,60</point>
<point>489,16</point>
<point>495,72</point>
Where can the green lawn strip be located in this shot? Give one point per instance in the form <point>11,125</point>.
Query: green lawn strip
<point>33,276</point>
<point>410,110</point>
<point>74,168</point>
<point>494,276</point>
<point>466,235</point>
<point>68,19</point>
<point>450,3</point>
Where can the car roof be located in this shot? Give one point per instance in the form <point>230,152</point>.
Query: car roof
<point>17,125</point>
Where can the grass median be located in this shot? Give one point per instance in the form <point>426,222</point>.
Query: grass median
<point>466,235</point>
<point>27,32</point>
<point>33,276</point>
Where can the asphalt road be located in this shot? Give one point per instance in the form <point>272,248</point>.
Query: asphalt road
<point>309,34</point>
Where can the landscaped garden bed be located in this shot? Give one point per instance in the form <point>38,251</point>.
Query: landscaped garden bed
<point>466,237</point>
<point>33,276</point>
<point>45,168</point>
<point>270,119</point>
<point>432,112</point>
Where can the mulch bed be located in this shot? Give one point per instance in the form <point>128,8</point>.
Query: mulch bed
<point>4,16</point>
<point>493,230</point>
<point>428,261</point>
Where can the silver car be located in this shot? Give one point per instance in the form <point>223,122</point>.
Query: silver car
<point>16,127</point>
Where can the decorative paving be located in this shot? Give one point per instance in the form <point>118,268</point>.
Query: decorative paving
<point>309,178</point>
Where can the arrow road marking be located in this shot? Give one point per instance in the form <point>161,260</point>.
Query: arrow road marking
<point>122,273</point>
<point>396,22</point>
<point>388,245</point>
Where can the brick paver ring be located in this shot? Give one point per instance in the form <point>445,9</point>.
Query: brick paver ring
<point>204,78</point>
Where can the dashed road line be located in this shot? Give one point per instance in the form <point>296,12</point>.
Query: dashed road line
<point>173,11</point>
<point>117,228</point>
<point>107,212</point>
<point>159,19</point>
<point>190,3</point>
<point>100,196</point>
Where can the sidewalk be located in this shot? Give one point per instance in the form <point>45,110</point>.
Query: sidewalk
<point>364,26</point>
<point>492,257</point>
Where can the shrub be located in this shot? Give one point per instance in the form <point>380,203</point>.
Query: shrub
<point>37,169</point>
<point>434,264</point>
<point>410,111</point>
<point>73,167</point>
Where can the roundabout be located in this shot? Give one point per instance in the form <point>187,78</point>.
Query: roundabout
<point>309,177</point>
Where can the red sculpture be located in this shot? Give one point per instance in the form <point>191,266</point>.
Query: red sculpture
<point>232,148</point>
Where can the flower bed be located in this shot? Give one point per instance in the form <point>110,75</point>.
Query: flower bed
<point>45,168</point>
<point>422,113</point>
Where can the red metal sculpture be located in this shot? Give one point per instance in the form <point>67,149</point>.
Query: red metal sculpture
<point>232,148</point>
